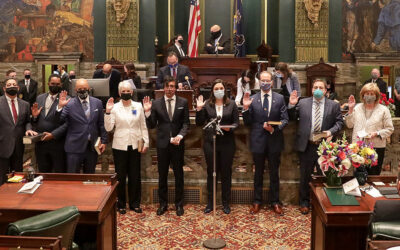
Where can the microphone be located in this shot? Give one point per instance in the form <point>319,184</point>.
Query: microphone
<point>213,121</point>
<point>188,83</point>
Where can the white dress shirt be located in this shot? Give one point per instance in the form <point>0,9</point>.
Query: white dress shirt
<point>241,90</point>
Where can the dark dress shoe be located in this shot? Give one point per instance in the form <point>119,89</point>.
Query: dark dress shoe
<point>161,210</point>
<point>208,209</point>
<point>304,210</point>
<point>255,208</point>
<point>226,209</point>
<point>179,211</point>
<point>277,209</point>
<point>136,210</point>
<point>122,210</point>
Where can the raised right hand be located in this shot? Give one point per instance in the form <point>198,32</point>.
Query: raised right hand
<point>293,98</point>
<point>351,103</point>
<point>35,110</point>
<point>199,103</point>
<point>62,100</point>
<point>146,104</point>
<point>110,105</point>
<point>247,101</point>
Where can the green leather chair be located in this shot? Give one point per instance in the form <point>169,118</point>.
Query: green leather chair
<point>385,221</point>
<point>62,222</point>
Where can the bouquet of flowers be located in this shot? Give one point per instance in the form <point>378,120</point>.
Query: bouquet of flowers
<point>389,103</point>
<point>362,154</point>
<point>333,158</point>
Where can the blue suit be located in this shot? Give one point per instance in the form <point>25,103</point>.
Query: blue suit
<point>263,144</point>
<point>82,134</point>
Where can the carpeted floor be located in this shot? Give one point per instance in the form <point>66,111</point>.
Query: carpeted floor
<point>240,230</point>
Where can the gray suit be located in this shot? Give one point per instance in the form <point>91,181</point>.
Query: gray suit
<point>332,120</point>
<point>12,148</point>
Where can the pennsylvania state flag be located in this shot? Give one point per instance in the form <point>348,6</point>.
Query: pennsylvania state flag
<point>238,39</point>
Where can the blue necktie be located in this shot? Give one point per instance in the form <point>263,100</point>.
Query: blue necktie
<point>85,107</point>
<point>266,104</point>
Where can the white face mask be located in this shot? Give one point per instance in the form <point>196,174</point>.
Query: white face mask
<point>369,99</point>
<point>219,94</point>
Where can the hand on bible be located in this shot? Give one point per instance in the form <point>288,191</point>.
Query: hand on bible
<point>30,133</point>
<point>47,136</point>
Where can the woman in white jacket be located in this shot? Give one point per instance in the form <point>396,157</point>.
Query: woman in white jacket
<point>371,119</point>
<point>130,139</point>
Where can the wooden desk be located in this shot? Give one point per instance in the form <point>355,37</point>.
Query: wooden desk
<point>207,69</point>
<point>29,242</point>
<point>95,202</point>
<point>341,227</point>
<point>382,244</point>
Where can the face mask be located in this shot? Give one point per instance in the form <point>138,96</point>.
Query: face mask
<point>265,86</point>
<point>318,94</point>
<point>12,91</point>
<point>83,94</point>
<point>219,94</point>
<point>215,35</point>
<point>181,42</point>
<point>72,77</point>
<point>374,76</point>
<point>27,77</point>
<point>126,96</point>
<point>369,99</point>
<point>279,75</point>
<point>173,66</point>
<point>55,89</point>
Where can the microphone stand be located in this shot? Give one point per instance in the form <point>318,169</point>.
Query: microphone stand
<point>214,243</point>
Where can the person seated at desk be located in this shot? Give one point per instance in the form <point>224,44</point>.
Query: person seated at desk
<point>218,43</point>
<point>330,91</point>
<point>285,79</point>
<point>115,77</point>
<point>177,47</point>
<point>178,71</point>
<point>245,84</point>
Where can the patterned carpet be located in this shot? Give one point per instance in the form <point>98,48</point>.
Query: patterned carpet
<point>240,230</point>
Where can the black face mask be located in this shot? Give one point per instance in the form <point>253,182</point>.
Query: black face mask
<point>72,77</point>
<point>27,77</point>
<point>55,89</point>
<point>83,94</point>
<point>215,35</point>
<point>126,96</point>
<point>181,42</point>
<point>12,91</point>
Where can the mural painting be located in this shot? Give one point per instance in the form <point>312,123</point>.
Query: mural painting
<point>29,26</point>
<point>370,26</point>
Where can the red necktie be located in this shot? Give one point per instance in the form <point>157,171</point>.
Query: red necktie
<point>14,111</point>
<point>174,70</point>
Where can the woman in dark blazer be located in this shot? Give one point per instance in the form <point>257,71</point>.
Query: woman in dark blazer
<point>130,72</point>
<point>218,105</point>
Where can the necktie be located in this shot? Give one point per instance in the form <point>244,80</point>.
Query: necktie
<point>266,104</point>
<point>49,104</point>
<point>169,109</point>
<point>174,72</point>
<point>86,109</point>
<point>14,111</point>
<point>317,117</point>
<point>27,85</point>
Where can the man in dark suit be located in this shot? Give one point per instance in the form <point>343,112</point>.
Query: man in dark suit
<point>266,140</point>
<point>85,123</point>
<point>31,86</point>
<point>14,124</point>
<point>177,47</point>
<point>178,71</point>
<point>375,78</point>
<point>170,114</point>
<point>315,114</point>
<point>49,151</point>
<point>115,78</point>
<point>218,43</point>
<point>65,81</point>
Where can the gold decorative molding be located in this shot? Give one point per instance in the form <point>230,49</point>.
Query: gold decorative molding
<point>121,8</point>
<point>123,38</point>
<point>313,8</point>
<point>264,20</point>
<point>311,40</point>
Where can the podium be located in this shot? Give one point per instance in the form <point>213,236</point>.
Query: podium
<point>207,69</point>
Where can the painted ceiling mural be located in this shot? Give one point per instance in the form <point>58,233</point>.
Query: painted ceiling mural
<point>29,26</point>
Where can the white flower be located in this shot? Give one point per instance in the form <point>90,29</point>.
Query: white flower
<point>346,163</point>
<point>358,159</point>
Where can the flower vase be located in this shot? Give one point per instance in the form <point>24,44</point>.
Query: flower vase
<point>361,175</point>
<point>332,180</point>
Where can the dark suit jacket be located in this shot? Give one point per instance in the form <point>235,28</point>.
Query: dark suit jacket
<point>31,93</point>
<point>66,83</point>
<point>223,42</point>
<point>230,116</point>
<point>165,127</point>
<point>332,120</point>
<point>137,81</point>
<point>381,85</point>
<point>79,127</point>
<point>51,122</point>
<point>255,116</point>
<point>115,79</point>
<point>174,49</point>
<point>182,71</point>
<point>10,133</point>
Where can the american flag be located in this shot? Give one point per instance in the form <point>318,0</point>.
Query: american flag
<point>194,28</point>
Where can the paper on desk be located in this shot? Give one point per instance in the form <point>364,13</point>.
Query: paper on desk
<point>30,187</point>
<point>352,187</point>
<point>378,183</point>
<point>373,192</point>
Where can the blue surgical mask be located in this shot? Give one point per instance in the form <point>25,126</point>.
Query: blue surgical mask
<point>265,86</point>
<point>173,66</point>
<point>219,94</point>
<point>318,94</point>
